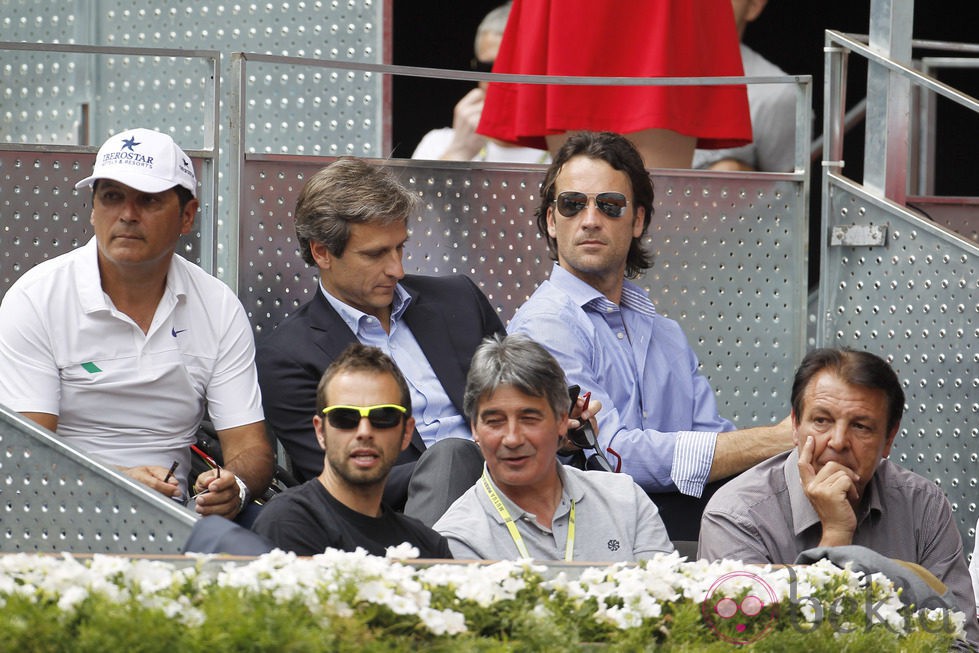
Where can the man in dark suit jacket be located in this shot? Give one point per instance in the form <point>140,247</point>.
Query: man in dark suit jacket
<point>351,222</point>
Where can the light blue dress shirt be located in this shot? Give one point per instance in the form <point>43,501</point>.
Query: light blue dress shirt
<point>659,414</point>
<point>435,416</point>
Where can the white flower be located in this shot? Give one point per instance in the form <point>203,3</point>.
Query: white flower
<point>374,591</point>
<point>483,584</point>
<point>338,584</point>
<point>939,619</point>
<point>621,618</point>
<point>403,551</point>
<point>443,622</point>
<point>71,597</point>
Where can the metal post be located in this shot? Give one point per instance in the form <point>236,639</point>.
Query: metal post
<point>888,100</point>
<point>236,150</point>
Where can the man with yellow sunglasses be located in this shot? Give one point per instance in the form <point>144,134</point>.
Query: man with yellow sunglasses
<point>363,422</point>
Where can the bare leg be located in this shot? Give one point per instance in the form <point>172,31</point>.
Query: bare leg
<point>660,148</point>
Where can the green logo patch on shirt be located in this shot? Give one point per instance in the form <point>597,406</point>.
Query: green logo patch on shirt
<point>90,367</point>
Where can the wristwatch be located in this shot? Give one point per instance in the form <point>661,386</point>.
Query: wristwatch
<point>244,495</point>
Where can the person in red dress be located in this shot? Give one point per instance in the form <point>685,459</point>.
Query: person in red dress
<point>625,38</point>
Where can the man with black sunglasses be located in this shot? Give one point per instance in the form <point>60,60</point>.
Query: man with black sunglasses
<point>659,422</point>
<point>363,421</point>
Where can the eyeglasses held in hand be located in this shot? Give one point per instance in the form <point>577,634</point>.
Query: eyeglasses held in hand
<point>571,202</point>
<point>382,416</point>
<point>584,437</point>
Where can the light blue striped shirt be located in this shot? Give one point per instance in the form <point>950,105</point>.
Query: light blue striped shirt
<point>659,415</point>
<point>435,416</point>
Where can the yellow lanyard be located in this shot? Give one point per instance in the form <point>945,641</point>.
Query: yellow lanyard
<point>514,533</point>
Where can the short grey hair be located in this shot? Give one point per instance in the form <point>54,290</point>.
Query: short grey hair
<point>519,362</point>
<point>348,191</point>
<point>493,23</point>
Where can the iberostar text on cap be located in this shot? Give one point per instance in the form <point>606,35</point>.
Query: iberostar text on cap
<point>145,160</point>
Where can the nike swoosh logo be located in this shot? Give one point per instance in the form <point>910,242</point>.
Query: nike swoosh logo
<point>174,332</point>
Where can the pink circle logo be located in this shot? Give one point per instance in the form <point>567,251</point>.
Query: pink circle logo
<point>740,607</point>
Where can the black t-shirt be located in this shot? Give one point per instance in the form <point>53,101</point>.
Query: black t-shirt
<point>307,519</point>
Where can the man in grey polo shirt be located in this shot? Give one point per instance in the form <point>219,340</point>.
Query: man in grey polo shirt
<point>838,488</point>
<point>527,504</point>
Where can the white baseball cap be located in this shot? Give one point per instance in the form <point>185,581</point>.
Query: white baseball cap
<point>145,160</point>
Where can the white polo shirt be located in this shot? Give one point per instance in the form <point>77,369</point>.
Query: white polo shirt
<point>126,397</point>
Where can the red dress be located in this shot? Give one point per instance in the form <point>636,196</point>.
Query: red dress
<point>619,38</point>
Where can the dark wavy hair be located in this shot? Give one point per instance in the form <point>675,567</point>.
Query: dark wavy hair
<point>855,368</point>
<point>615,150</point>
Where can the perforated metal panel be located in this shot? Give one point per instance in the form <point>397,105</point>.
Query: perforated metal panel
<point>730,267</point>
<point>730,263</point>
<point>67,100</point>
<point>300,109</point>
<point>300,112</point>
<point>914,301</point>
<point>71,98</point>
<point>41,95</point>
<point>158,89</point>
<point>53,498</point>
<point>959,214</point>
<point>43,215</point>
<point>337,112</point>
<point>273,280</point>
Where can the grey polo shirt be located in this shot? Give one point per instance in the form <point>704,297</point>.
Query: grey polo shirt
<point>614,521</point>
<point>763,515</point>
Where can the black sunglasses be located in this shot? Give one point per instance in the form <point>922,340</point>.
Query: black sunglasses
<point>584,437</point>
<point>571,202</point>
<point>382,416</point>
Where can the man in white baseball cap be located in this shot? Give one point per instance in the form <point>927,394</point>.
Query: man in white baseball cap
<point>118,346</point>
